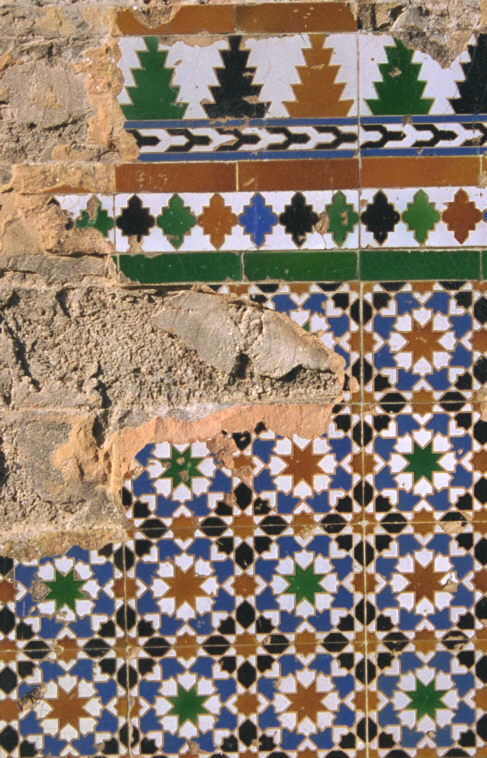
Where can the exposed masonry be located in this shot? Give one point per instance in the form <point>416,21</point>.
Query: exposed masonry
<point>79,364</point>
<point>80,391</point>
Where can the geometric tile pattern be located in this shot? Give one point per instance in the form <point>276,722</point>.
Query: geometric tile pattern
<point>301,596</point>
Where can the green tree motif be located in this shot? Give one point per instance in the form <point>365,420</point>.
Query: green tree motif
<point>400,91</point>
<point>426,700</point>
<point>421,216</point>
<point>98,218</point>
<point>65,590</point>
<point>304,583</point>
<point>341,218</point>
<point>175,220</point>
<point>187,705</point>
<point>181,467</point>
<point>153,97</point>
<point>422,462</point>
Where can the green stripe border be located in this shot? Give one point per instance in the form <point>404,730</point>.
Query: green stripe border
<point>174,268</point>
<point>332,266</point>
<point>405,265</point>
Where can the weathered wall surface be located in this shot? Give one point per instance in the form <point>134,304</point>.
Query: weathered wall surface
<point>87,374</point>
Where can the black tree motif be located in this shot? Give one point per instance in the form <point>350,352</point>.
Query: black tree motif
<point>235,95</point>
<point>380,217</point>
<point>473,90</point>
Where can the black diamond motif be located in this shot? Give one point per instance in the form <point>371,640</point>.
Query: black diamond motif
<point>380,217</point>
<point>9,739</point>
<point>8,680</point>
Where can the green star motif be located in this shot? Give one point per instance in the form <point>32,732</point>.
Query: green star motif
<point>181,467</point>
<point>175,221</point>
<point>304,583</point>
<point>100,220</point>
<point>422,462</point>
<point>341,218</point>
<point>425,700</point>
<point>187,705</point>
<point>421,216</point>
<point>65,590</point>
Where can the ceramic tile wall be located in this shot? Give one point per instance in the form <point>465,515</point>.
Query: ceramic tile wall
<point>303,597</point>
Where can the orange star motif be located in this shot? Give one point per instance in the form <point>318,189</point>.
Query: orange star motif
<point>424,581</point>
<point>185,586</point>
<point>68,708</point>
<point>306,702</point>
<point>423,341</point>
<point>302,464</point>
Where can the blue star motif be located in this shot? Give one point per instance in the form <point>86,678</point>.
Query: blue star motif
<point>257,219</point>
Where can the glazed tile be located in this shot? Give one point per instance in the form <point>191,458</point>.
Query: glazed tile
<point>57,704</point>
<point>421,581</point>
<point>433,216</point>
<point>185,20</point>
<point>410,265</point>
<point>238,221</point>
<point>174,268</point>
<point>293,17</point>
<point>319,174</point>
<point>426,87</point>
<point>70,601</point>
<point>438,171</point>
<point>417,341</point>
<point>417,463</point>
<point>249,700</point>
<point>176,177</point>
<point>91,211</point>
<point>427,699</point>
<point>261,475</point>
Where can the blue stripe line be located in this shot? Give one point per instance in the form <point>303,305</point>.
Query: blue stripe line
<point>419,151</point>
<point>349,121</point>
<point>244,156</point>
